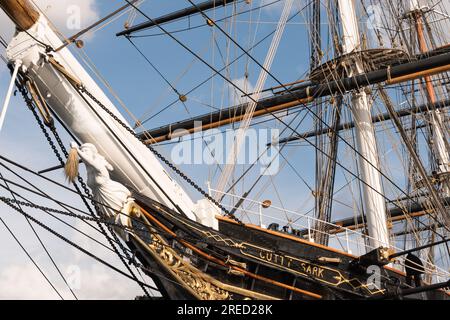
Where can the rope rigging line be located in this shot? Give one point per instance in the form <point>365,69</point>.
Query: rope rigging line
<point>40,241</point>
<point>243,92</point>
<point>82,214</point>
<point>261,175</point>
<point>262,6</point>
<point>58,235</point>
<point>42,194</point>
<point>62,221</point>
<point>249,112</point>
<point>192,240</point>
<point>32,205</point>
<point>47,210</point>
<point>82,90</point>
<point>32,172</point>
<point>312,112</point>
<point>217,72</point>
<point>52,128</point>
<point>31,259</point>
<point>154,68</point>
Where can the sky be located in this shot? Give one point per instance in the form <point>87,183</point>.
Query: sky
<point>145,92</point>
<point>21,140</point>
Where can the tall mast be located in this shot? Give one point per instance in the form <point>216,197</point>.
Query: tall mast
<point>439,146</point>
<point>325,165</point>
<point>372,193</point>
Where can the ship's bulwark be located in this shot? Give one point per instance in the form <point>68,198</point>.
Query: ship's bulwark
<point>246,262</point>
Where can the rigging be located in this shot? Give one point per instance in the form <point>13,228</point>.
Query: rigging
<point>41,242</point>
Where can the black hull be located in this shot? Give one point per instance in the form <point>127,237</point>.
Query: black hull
<point>190,261</point>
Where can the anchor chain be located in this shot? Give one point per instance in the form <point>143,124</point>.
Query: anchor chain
<point>62,212</point>
<point>51,126</point>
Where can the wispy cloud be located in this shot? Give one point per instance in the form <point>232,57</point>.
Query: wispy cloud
<point>236,96</point>
<point>69,16</point>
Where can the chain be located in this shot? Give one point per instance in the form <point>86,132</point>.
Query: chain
<point>65,213</point>
<point>82,89</point>
<point>60,236</point>
<point>10,202</point>
<point>29,103</point>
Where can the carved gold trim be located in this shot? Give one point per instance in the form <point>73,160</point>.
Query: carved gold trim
<point>341,279</point>
<point>199,284</point>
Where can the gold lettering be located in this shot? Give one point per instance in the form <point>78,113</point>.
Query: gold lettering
<point>308,269</point>
<point>314,272</point>
<point>320,274</point>
<point>261,255</point>
<point>292,263</point>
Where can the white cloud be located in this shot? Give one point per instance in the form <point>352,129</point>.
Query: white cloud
<point>236,96</point>
<point>62,13</point>
<point>23,282</point>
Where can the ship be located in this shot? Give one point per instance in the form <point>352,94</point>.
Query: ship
<point>210,250</point>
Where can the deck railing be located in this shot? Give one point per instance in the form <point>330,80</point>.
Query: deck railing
<point>339,237</point>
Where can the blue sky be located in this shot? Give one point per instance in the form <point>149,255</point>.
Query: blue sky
<point>145,93</point>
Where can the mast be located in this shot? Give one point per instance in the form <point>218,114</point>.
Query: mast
<point>374,206</point>
<point>325,165</point>
<point>306,93</point>
<point>438,136</point>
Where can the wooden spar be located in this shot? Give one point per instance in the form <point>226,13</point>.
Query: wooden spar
<point>401,72</point>
<point>21,12</point>
<point>413,76</point>
<point>423,49</point>
<point>225,121</point>
<point>440,143</point>
<point>375,119</point>
<point>183,13</point>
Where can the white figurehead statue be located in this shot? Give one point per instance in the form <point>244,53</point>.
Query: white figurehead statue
<point>111,197</point>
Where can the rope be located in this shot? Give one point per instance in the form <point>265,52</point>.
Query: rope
<point>58,235</point>
<point>82,90</point>
<point>31,259</point>
<point>29,103</point>
<point>41,242</point>
<point>250,110</point>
